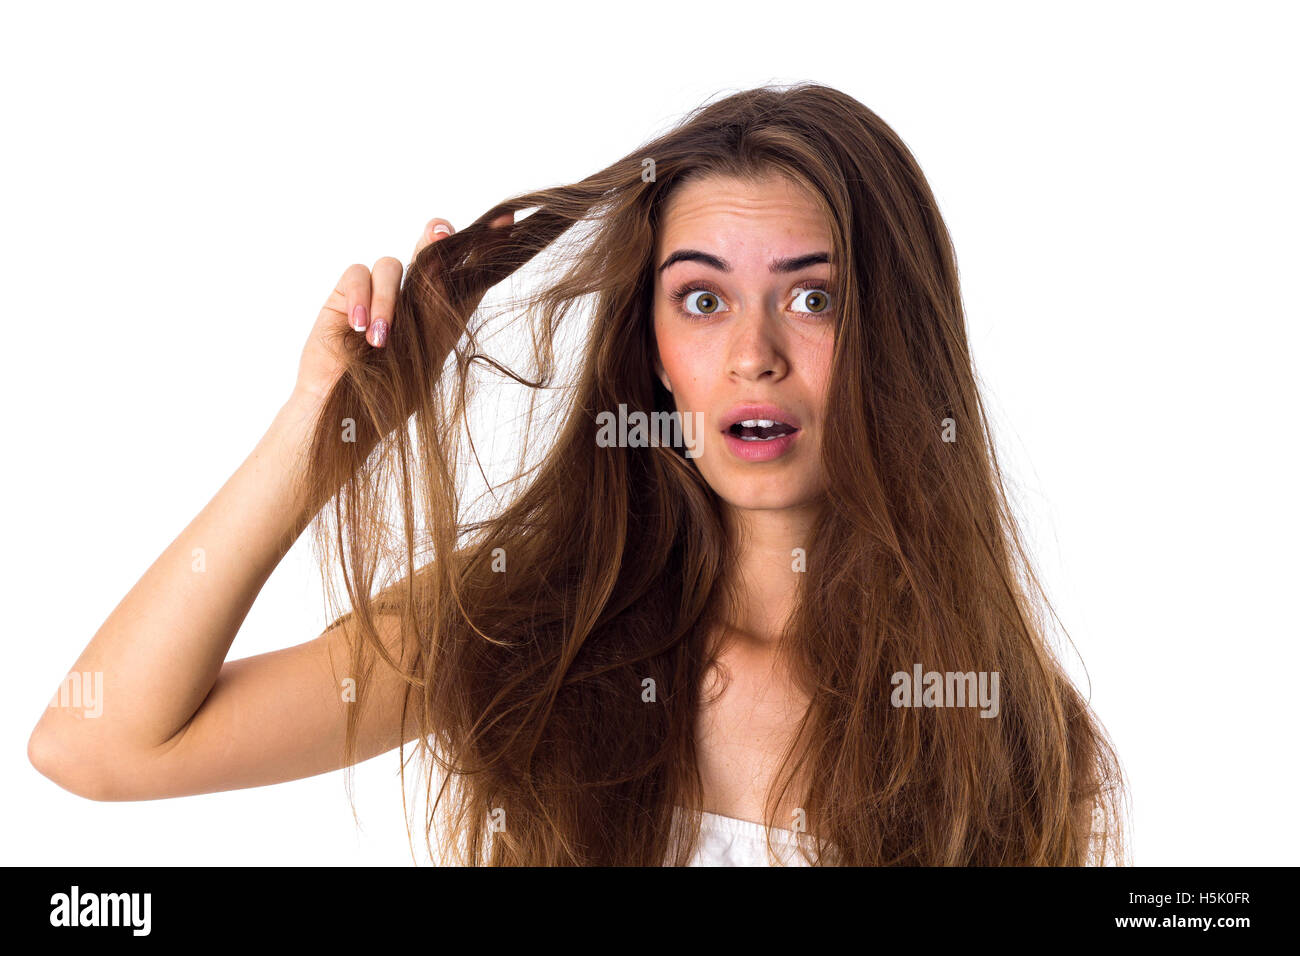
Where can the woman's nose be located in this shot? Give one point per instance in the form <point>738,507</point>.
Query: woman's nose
<point>755,350</point>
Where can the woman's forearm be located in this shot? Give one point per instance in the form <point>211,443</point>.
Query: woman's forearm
<point>158,654</point>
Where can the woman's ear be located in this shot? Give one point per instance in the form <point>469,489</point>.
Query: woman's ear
<point>662,375</point>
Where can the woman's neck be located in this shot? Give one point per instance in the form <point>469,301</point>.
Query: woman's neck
<point>765,579</point>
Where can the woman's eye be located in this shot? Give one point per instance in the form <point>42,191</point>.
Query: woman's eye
<point>815,300</point>
<point>706,303</point>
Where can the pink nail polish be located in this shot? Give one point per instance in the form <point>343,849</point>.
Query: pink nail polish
<point>379,332</point>
<point>359,318</point>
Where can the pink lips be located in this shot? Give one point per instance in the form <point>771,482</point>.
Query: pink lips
<point>759,450</point>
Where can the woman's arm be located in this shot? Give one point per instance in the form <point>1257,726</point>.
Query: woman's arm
<point>173,720</point>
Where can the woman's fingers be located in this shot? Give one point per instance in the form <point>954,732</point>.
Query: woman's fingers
<point>385,281</point>
<point>352,296</point>
<point>387,286</point>
<point>434,229</point>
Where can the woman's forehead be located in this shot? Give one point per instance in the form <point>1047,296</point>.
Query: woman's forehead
<point>743,219</point>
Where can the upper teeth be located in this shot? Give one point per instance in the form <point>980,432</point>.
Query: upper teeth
<point>757,423</point>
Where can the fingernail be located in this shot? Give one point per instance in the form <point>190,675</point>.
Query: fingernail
<point>359,318</point>
<point>379,332</point>
<point>441,228</point>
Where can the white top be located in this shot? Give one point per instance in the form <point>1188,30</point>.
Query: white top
<point>728,841</point>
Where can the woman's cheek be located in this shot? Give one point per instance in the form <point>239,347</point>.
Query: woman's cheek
<point>683,366</point>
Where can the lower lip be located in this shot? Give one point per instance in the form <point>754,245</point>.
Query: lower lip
<point>759,450</point>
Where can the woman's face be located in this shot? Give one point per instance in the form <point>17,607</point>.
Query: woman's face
<point>751,338</point>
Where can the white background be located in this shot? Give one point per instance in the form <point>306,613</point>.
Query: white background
<point>181,189</point>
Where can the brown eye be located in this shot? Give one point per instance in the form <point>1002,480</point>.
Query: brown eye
<point>815,300</point>
<point>705,302</point>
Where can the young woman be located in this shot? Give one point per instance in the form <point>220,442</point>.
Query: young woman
<point>647,651</point>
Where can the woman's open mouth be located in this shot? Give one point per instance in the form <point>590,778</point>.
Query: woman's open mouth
<point>760,439</point>
<point>760,429</point>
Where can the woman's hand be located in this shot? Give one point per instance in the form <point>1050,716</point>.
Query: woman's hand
<point>364,301</point>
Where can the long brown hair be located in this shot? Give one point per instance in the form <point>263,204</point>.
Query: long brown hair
<point>558,636</point>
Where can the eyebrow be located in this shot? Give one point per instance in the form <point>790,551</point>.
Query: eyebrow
<point>790,264</point>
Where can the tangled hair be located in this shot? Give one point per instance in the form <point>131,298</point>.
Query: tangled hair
<point>529,631</point>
